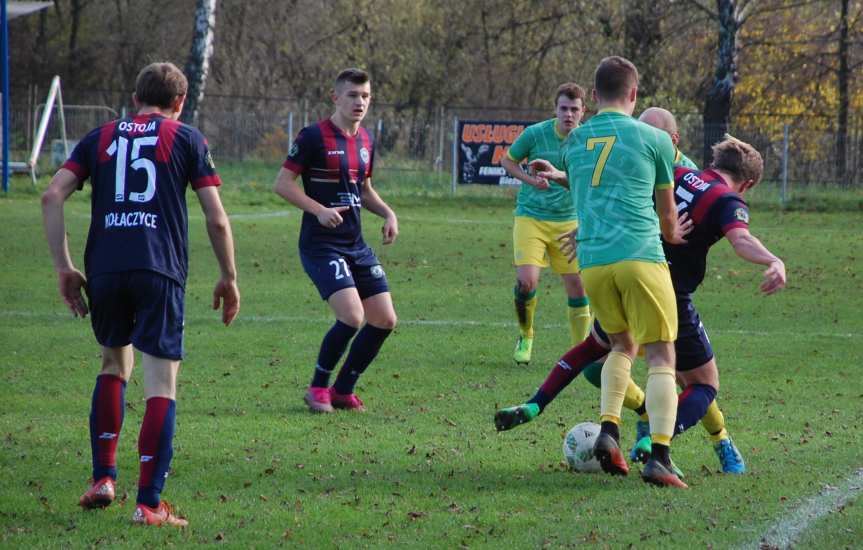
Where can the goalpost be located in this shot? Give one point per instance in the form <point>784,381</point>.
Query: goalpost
<point>55,96</point>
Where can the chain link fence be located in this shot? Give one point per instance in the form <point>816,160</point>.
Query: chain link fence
<point>797,150</point>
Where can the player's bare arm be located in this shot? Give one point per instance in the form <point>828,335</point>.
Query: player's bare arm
<point>376,205</point>
<point>287,187</point>
<point>513,168</point>
<point>748,247</point>
<point>569,244</point>
<point>666,208</point>
<point>70,280</point>
<point>226,293</point>
<point>544,170</point>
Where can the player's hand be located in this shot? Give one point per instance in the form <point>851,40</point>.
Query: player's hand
<point>545,171</point>
<point>332,217</point>
<point>227,295</point>
<point>71,283</point>
<point>684,227</point>
<point>390,230</point>
<point>774,277</point>
<point>568,244</point>
<point>540,183</point>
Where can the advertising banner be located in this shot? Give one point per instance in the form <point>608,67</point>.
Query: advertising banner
<point>481,145</point>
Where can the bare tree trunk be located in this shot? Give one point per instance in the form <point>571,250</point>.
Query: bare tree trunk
<point>717,105</point>
<point>198,65</point>
<point>842,120</point>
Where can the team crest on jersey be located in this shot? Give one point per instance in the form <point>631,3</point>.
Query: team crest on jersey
<point>294,150</point>
<point>742,214</point>
<point>364,154</point>
<point>377,271</point>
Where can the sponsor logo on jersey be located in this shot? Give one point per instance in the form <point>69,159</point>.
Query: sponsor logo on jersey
<point>695,182</point>
<point>335,152</point>
<point>742,214</point>
<point>136,128</point>
<point>364,154</point>
<point>146,458</point>
<point>130,219</point>
<point>294,150</point>
<point>209,160</point>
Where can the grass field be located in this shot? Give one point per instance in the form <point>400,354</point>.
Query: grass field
<point>424,468</point>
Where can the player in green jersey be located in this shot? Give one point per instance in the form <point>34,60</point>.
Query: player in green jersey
<point>543,212</point>
<point>615,167</point>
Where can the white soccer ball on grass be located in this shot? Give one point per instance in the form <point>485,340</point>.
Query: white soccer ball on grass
<point>578,447</point>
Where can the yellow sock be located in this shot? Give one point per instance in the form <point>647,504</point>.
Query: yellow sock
<point>714,423</point>
<point>579,319</point>
<point>661,403</point>
<point>634,396</point>
<point>525,307</point>
<point>615,376</point>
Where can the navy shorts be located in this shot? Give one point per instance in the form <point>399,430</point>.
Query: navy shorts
<point>332,270</point>
<point>143,308</point>
<point>692,346</point>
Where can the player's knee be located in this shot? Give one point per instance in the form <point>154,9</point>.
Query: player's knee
<point>526,285</point>
<point>387,322</point>
<point>352,318</point>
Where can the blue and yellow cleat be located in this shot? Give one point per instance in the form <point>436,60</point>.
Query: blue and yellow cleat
<point>729,457</point>
<point>523,349</point>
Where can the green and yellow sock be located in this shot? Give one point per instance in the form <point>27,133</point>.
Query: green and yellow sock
<point>714,423</point>
<point>579,319</point>
<point>525,307</point>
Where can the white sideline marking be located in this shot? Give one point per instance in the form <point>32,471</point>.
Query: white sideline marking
<point>786,532</point>
<point>435,323</point>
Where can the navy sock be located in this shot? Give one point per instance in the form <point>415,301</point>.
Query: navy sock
<point>692,405</point>
<point>106,419</point>
<point>155,448</point>
<point>332,347</point>
<point>363,351</point>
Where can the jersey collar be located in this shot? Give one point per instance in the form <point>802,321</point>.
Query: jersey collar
<point>557,132</point>
<point>611,110</point>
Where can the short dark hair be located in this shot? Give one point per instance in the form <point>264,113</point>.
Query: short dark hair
<point>738,158</point>
<point>352,75</point>
<point>570,90</point>
<point>614,77</point>
<point>159,84</point>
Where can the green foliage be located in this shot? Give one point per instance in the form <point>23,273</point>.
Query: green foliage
<point>424,467</point>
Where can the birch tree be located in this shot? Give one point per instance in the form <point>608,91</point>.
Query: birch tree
<point>198,65</point>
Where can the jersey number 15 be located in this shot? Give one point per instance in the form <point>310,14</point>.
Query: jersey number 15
<point>120,147</point>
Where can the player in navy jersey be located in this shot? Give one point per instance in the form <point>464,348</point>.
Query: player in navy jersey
<point>136,261</point>
<point>711,200</point>
<point>335,158</point>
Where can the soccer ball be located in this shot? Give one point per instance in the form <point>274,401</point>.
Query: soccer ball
<point>578,447</point>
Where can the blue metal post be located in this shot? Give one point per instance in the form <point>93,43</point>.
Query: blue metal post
<point>4,61</point>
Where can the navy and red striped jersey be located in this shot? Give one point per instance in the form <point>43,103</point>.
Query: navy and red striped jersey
<point>714,209</point>
<point>139,168</point>
<point>334,166</point>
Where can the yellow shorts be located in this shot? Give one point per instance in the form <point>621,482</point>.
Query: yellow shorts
<point>535,243</point>
<point>633,296</point>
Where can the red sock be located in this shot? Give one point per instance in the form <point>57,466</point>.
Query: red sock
<point>571,364</point>
<point>106,420</point>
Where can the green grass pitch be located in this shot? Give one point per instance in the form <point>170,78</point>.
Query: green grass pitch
<point>424,468</point>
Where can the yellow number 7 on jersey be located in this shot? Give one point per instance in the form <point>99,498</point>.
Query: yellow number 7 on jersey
<point>607,143</point>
